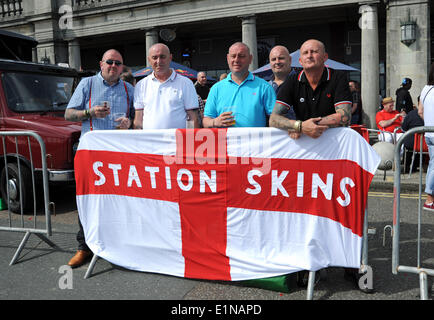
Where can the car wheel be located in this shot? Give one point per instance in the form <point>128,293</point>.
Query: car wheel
<point>14,188</point>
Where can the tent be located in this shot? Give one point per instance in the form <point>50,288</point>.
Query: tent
<point>265,71</point>
<point>179,68</point>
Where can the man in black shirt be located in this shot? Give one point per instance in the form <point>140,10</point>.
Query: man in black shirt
<point>280,63</point>
<point>356,111</point>
<point>321,99</point>
<point>320,96</point>
<point>403,97</point>
<point>201,87</point>
<point>411,120</point>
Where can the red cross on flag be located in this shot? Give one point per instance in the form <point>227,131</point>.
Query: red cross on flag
<point>224,204</point>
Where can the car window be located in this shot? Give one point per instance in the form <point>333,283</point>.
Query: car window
<point>27,92</point>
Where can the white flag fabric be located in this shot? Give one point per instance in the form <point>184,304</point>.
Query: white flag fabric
<point>224,204</point>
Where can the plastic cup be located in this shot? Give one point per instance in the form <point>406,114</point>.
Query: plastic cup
<point>232,109</point>
<point>114,117</point>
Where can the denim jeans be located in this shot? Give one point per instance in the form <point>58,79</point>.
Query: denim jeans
<point>429,183</point>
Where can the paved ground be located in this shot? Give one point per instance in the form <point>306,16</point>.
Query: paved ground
<point>38,274</point>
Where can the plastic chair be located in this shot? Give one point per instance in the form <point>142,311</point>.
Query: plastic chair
<point>416,148</point>
<point>361,129</point>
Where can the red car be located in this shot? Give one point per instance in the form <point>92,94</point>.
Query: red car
<point>34,97</point>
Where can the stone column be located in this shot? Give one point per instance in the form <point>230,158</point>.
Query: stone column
<point>249,38</point>
<point>370,81</point>
<point>74,54</point>
<point>151,39</point>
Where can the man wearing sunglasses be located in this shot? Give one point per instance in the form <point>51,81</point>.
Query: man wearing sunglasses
<point>93,103</point>
<point>86,104</point>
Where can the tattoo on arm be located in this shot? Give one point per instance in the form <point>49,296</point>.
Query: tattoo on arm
<point>74,115</point>
<point>278,119</point>
<point>280,109</point>
<point>345,111</point>
<point>341,118</point>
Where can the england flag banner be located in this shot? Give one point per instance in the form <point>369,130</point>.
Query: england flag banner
<point>224,204</point>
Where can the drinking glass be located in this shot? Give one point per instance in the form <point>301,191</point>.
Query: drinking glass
<point>232,109</point>
<point>115,118</point>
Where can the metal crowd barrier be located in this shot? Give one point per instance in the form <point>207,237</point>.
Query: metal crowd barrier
<point>364,265</point>
<point>22,225</point>
<point>383,134</point>
<point>364,259</point>
<point>396,267</point>
<point>312,274</point>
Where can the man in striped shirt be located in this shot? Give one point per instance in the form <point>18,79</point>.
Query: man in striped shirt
<point>319,96</point>
<point>87,102</point>
<point>86,106</point>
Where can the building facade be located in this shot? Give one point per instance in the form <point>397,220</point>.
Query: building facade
<point>365,34</point>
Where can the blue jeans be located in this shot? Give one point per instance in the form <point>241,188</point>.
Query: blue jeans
<point>429,183</point>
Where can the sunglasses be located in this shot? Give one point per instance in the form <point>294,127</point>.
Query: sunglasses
<point>110,62</point>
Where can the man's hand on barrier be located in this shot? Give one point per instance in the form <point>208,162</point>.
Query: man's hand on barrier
<point>311,128</point>
<point>294,135</point>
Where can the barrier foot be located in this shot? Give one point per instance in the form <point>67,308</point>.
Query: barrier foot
<point>47,241</point>
<point>20,248</point>
<point>310,285</point>
<point>423,280</point>
<point>91,266</point>
<point>24,241</point>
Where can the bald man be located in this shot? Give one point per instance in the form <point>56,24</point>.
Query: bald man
<point>94,103</point>
<point>241,99</point>
<point>201,86</point>
<point>106,86</point>
<point>319,96</point>
<point>164,99</point>
<point>321,99</point>
<point>280,63</point>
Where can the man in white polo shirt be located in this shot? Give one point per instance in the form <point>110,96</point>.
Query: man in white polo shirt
<point>164,99</point>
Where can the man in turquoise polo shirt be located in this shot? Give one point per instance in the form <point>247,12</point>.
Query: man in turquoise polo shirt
<point>242,99</point>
